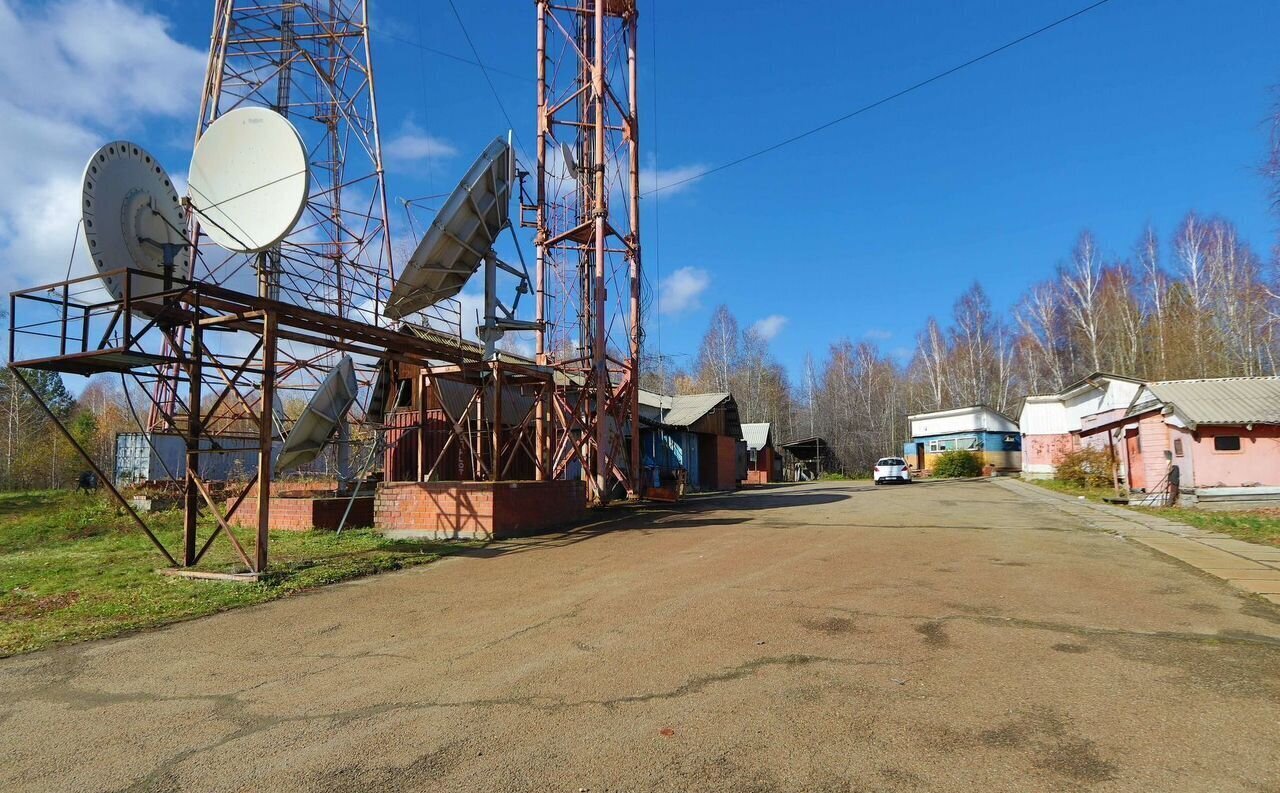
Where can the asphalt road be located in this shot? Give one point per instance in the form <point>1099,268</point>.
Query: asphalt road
<point>823,637</point>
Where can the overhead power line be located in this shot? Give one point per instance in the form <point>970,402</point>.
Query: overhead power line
<point>451,56</point>
<point>485,71</point>
<point>879,102</point>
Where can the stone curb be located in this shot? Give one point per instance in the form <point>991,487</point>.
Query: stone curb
<point>1245,565</point>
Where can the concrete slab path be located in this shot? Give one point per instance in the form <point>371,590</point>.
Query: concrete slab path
<point>1248,566</point>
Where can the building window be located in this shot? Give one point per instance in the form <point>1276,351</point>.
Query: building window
<point>1226,443</point>
<point>1177,447</point>
<point>970,442</point>
<point>404,393</point>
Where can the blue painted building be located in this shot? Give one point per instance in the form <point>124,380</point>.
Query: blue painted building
<point>698,434</point>
<point>990,434</point>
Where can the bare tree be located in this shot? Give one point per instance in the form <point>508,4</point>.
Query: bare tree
<point>1155,285</point>
<point>720,352</point>
<point>1081,282</point>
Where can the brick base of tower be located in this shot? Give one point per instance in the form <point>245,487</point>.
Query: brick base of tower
<point>479,510</point>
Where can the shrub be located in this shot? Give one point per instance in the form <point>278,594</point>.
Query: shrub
<point>1085,468</point>
<point>957,463</point>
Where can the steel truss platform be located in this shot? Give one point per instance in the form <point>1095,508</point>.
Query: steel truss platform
<point>218,349</point>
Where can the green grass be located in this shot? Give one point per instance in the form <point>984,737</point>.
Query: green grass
<point>1058,486</point>
<point>1254,525</point>
<point>73,567</point>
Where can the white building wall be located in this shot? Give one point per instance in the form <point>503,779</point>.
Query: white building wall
<point>960,420</point>
<point>1043,418</point>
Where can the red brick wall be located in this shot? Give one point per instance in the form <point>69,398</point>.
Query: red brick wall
<point>762,473</point>
<point>305,514</point>
<point>483,510</point>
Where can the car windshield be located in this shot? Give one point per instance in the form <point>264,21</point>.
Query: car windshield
<point>891,461</point>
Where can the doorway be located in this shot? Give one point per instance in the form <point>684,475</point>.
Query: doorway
<point>1133,449</point>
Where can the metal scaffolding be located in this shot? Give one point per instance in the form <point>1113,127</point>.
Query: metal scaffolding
<point>223,402</point>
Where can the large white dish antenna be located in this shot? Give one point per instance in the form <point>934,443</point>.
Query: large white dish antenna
<point>249,179</point>
<point>132,218</point>
<point>328,406</point>
<point>460,237</point>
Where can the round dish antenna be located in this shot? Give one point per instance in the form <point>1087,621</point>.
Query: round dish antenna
<point>460,237</point>
<point>322,415</point>
<point>133,218</point>
<point>249,179</point>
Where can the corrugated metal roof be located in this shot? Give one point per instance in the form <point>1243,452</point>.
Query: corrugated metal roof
<point>1228,400</point>
<point>653,399</point>
<point>756,435</point>
<point>680,410</point>
<point>467,349</point>
<point>688,408</point>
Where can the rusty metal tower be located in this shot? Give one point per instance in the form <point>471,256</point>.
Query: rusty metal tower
<point>586,217</point>
<point>309,61</point>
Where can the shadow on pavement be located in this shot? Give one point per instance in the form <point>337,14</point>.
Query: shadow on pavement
<point>649,517</point>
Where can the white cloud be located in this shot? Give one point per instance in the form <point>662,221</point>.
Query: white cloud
<point>75,74</point>
<point>413,144</point>
<point>877,334</point>
<point>769,327</point>
<point>670,180</point>
<point>679,291</point>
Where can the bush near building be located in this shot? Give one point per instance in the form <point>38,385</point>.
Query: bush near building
<point>957,464</point>
<point>1085,468</point>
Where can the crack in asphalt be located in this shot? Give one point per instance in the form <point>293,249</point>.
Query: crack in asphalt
<point>231,707</point>
<point>1226,637</point>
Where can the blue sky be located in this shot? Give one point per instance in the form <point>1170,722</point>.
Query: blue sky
<point>1133,113</point>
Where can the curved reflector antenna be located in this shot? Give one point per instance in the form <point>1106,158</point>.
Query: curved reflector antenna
<point>460,237</point>
<point>570,164</point>
<point>249,179</point>
<point>132,218</point>
<point>328,406</point>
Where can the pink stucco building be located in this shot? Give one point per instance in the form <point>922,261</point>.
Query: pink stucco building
<point>1220,435</point>
<point>1050,423</point>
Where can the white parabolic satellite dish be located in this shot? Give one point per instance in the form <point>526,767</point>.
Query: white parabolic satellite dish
<point>131,212</point>
<point>460,237</point>
<point>249,180</point>
<point>328,406</point>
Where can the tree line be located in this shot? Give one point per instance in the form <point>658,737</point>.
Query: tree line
<point>1198,304</point>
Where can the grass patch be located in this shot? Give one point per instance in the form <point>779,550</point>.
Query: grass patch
<point>73,567</point>
<point>1058,486</point>
<point>1252,525</point>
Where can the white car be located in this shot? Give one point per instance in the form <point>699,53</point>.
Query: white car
<point>891,469</point>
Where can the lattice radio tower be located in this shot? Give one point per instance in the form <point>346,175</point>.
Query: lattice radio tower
<point>310,61</point>
<point>586,217</point>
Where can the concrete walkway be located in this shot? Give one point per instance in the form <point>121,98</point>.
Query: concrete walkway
<point>1251,567</point>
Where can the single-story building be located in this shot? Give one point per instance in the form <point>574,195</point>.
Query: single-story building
<point>697,434</point>
<point>980,429</point>
<point>1220,435</point>
<point>810,458</point>
<point>1050,423</point>
<point>764,464</point>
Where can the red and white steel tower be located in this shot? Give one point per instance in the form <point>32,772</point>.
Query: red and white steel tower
<point>587,232</point>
